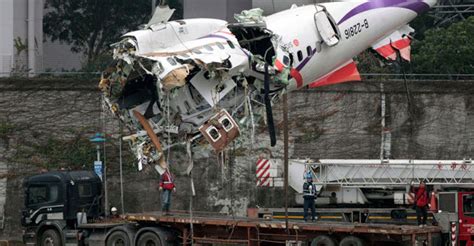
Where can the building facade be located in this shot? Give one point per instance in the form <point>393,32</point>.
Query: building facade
<point>225,9</point>
<point>21,42</point>
<point>219,9</point>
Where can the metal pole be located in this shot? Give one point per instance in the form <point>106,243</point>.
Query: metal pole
<point>31,38</point>
<point>106,197</point>
<point>98,152</point>
<point>121,168</point>
<point>382,140</point>
<point>285,141</point>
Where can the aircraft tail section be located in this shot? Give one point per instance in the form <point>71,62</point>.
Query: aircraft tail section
<point>345,73</point>
<point>396,43</point>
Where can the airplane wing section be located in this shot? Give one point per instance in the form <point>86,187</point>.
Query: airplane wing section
<point>345,73</point>
<point>397,41</point>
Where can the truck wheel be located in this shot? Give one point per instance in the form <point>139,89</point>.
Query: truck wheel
<point>50,237</point>
<point>323,240</point>
<point>118,238</point>
<point>149,239</point>
<point>351,241</point>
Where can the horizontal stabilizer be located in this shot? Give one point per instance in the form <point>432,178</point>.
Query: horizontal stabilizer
<point>398,41</point>
<point>345,73</point>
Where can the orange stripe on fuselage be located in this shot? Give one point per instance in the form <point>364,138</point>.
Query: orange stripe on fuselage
<point>344,74</point>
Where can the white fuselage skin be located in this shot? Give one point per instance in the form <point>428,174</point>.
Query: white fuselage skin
<point>298,24</point>
<point>296,29</point>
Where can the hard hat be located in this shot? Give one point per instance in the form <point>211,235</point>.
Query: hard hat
<point>113,209</point>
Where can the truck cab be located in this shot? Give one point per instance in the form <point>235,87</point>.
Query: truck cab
<point>56,202</point>
<point>456,217</point>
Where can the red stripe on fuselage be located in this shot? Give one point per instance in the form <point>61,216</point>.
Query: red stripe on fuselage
<point>294,73</point>
<point>344,74</point>
<point>297,76</point>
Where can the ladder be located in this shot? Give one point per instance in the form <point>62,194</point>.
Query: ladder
<point>384,173</point>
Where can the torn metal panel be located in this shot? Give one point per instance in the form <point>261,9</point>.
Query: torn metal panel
<point>162,14</point>
<point>154,139</point>
<point>396,43</point>
<point>220,130</point>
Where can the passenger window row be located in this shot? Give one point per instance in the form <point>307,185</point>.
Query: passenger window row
<point>309,52</point>
<point>207,47</point>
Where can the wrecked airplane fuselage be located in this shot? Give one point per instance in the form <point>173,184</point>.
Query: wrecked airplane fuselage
<point>195,80</point>
<point>204,79</point>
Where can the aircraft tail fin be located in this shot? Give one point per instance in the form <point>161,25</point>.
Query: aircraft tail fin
<point>397,42</point>
<point>345,73</point>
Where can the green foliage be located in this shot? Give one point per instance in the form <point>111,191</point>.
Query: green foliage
<point>446,50</point>
<point>6,129</point>
<point>100,63</point>
<point>20,46</point>
<point>421,24</point>
<point>90,26</point>
<point>56,153</point>
<point>367,62</point>
<point>176,4</point>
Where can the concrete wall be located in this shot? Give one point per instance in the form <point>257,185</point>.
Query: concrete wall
<point>340,121</point>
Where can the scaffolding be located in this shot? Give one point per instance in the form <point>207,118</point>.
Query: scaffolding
<point>448,11</point>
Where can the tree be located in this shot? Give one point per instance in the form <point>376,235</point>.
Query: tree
<point>446,50</point>
<point>90,26</point>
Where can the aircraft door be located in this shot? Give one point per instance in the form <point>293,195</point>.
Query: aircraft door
<point>326,27</point>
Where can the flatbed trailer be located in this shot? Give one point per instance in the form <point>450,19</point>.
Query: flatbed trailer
<point>63,209</point>
<point>218,229</point>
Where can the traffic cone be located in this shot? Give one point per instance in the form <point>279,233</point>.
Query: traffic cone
<point>433,203</point>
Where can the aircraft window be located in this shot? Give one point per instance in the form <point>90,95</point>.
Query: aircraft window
<point>38,194</point>
<point>286,60</point>
<point>220,46</point>
<point>213,133</point>
<point>300,55</point>
<point>197,51</point>
<point>171,61</point>
<point>291,58</point>
<point>208,47</point>
<point>309,50</point>
<point>232,46</point>
<point>226,123</point>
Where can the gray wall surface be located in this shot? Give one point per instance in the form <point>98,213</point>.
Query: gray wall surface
<point>341,121</point>
<point>219,9</point>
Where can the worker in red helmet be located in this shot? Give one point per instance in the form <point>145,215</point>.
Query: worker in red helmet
<point>166,187</point>
<point>421,203</point>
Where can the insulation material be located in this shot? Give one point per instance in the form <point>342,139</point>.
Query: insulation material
<point>175,78</point>
<point>252,15</point>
